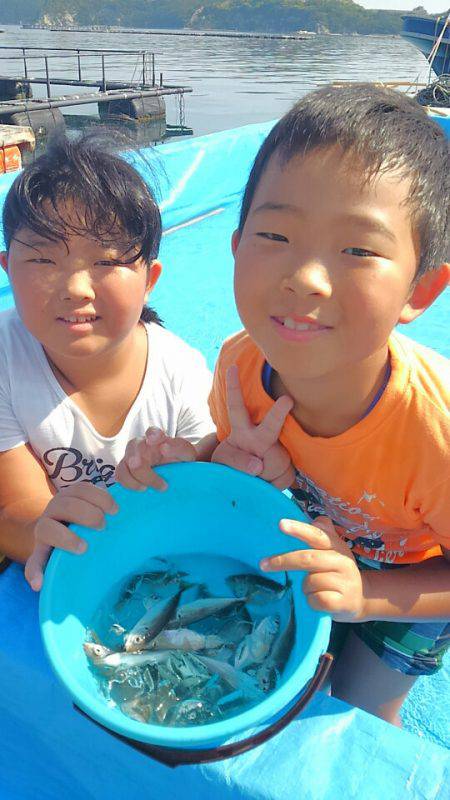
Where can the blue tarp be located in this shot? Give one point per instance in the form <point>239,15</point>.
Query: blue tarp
<point>48,750</point>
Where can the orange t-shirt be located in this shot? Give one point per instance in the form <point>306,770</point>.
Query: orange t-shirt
<point>385,482</point>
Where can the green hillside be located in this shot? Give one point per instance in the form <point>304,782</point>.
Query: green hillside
<point>334,16</point>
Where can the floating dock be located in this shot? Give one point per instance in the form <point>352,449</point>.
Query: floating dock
<point>301,35</point>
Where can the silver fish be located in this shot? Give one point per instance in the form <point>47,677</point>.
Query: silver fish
<point>105,659</point>
<point>257,589</point>
<point>206,607</point>
<point>233,677</point>
<point>269,672</point>
<point>184,639</point>
<point>153,621</point>
<point>256,645</point>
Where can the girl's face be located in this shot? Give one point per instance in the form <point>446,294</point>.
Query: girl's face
<point>78,298</point>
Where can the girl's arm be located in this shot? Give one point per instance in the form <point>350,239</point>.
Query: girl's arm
<point>25,492</point>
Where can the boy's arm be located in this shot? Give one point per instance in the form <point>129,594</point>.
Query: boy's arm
<point>334,583</point>
<point>415,593</point>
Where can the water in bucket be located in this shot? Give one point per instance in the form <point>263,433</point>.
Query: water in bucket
<point>191,639</point>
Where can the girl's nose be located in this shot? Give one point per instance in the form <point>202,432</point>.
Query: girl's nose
<point>77,286</point>
<point>311,278</point>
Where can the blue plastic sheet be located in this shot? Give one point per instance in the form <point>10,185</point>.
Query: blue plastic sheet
<point>48,750</point>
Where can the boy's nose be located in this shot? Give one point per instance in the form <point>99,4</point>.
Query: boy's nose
<point>77,286</point>
<point>310,278</point>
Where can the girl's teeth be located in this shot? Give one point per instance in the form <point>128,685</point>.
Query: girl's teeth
<point>296,326</point>
<point>79,319</point>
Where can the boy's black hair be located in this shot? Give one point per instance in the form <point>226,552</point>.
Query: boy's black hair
<point>385,131</point>
<point>113,204</point>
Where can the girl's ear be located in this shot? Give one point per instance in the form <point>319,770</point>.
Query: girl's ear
<point>4,260</point>
<point>153,273</point>
<point>425,292</point>
<point>235,239</point>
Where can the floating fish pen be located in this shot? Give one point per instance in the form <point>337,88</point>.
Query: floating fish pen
<point>92,77</point>
<point>303,34</point>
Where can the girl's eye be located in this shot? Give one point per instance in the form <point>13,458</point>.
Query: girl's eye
<point>359,251</point>
<point>274,237</point>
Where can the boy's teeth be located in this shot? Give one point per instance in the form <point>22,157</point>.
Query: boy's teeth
<point>296,326</point>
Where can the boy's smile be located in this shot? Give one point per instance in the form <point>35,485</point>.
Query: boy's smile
<point>324,265</point>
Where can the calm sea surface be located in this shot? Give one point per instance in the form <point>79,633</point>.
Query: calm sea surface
<point>234,81</point>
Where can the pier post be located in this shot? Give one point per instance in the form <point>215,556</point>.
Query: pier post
<point>103,74</point>
<point>79,65</point>
<point>47,76</point>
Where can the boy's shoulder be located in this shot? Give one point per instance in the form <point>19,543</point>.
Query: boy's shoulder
<point>239,349</point>
<point>428,372</point>
<point>13,332</point>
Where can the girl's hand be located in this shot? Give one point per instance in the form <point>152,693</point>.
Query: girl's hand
<point>82,504</point>
<point>155,448</point>
<point>255,448</point>
<point>334,583</point>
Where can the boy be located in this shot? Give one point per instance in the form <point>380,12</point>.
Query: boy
<point>343,233</point>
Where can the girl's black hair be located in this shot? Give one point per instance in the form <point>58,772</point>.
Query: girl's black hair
<point>113,203</point>
<point>384,130</point>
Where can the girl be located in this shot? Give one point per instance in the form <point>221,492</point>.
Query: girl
<point>84,365</point>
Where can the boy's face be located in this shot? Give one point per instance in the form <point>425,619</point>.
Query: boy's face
<point>325,263</point>
<point>78,299</point>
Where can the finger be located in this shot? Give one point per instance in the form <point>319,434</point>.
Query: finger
<point>125,478</point>
<point>269,428</point>
<point>320,536</point>
<point>306,560</point>
<point>34,568</point>
<point>139,464</point>
<point>76,510</point>
<point>322,582</point>
<point>94,495</point>
<point>237,411</point>
<point>285,480</point>
<point>51,532</point>
<point>232,456</point>
<point>276,461</point>
<point>326,601</point>
<point>177,449</point>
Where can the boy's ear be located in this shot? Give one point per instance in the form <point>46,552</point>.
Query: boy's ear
<point>425,292</point>
<point>235,239</point>
<point>153,273</point>
<point>4,260</point>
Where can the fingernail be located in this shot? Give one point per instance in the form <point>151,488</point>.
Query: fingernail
<point>153,436</point>
<point>254,466</point>
<point>134,462</point>
<point>81,547</point>
<point>264,564</point>
<point>165,449</point>
<point>114,509</point>
<point>35,584</point>
<point>162,487</point>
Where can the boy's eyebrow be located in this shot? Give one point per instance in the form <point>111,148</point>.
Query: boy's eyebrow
<point>269,206</point>
<point>371,224</point>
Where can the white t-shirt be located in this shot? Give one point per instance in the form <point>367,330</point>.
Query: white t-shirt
<point>34,408</point>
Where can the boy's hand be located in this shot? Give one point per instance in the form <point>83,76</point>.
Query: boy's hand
<point>82,504</point>
<point>255,448</point>
<point>334,583</point>
<point>155,448</point>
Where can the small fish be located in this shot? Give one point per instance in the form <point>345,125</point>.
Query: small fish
<point>153,621</point>
<point>184,639</point>
<point>257,589</point>
<point>105,659</point>
<point>206,607</point>
<point>256,645</point>
<point>268,673</point>
<point>233,677</point>
<point>191,711</point>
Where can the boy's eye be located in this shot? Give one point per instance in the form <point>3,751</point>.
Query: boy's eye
<point>359,251</point>
<point>274,237</point>
<point>40,261</point>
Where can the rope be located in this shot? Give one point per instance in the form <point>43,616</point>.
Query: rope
<point>438,41</point>
<point>436,94</point>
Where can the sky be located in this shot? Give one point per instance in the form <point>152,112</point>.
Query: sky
<point>432,6</point>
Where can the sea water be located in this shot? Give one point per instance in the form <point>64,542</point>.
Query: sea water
<point>238,654</point>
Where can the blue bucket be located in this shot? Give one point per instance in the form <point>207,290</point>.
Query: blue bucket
<point>207,509</point>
